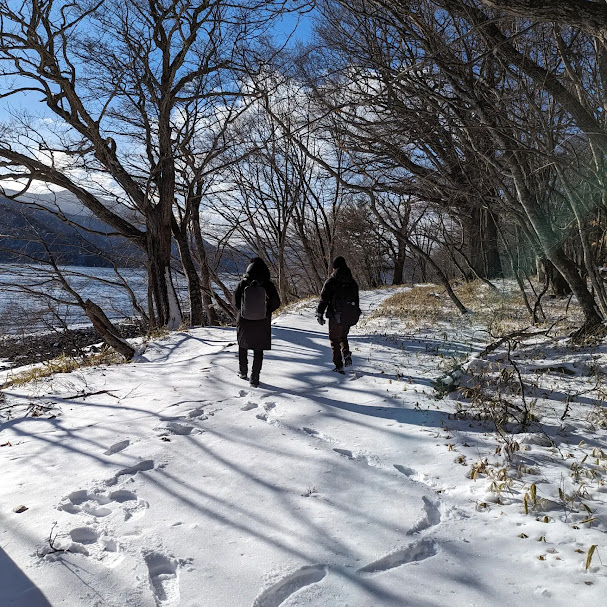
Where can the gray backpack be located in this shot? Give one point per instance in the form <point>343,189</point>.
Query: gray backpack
<point>253,305</point>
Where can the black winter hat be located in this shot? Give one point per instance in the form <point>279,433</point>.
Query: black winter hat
<point>257,269</point>
<point>339,262</point>
<point>256,262</point>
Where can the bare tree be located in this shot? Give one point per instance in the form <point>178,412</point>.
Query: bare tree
<point>129,85</point>
<point>585,14</point>
<point>447,106</point>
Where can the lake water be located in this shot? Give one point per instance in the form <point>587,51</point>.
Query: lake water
<point>23,308</point>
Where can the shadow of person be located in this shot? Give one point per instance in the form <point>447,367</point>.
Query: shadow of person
<point>16,589</point>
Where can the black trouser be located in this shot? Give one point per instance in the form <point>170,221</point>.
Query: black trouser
<point>338,336</point>
<point>244,363</point>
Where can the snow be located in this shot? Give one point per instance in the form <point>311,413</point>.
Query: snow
<point>174,311</point>
<point>170,482</point>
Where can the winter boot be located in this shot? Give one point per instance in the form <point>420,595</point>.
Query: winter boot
<point>243,375</point>
<point>254,383</point>
<point>348,360</point>
<point>339,370</point>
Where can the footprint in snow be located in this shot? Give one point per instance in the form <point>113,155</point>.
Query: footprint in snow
<point>100,505</point>
<point>142,466</point>
<point>269,406</point>
<point>82,501</point>
<point>418,551</point>
<point>242,393</point>
<point>197,413</point>
<point>88,541</point>
<point>175,428</point>
<point>84,535</point>
<point>171,418</point>
<point>345,452</point>
<point>123,495</point>
<point>164,582</point>
<point>324,438</point>
<point>404,470</point>
<point>117,447</point>
<point>278,593</point>
<point>431,517</point>
<point>250,405</point>
<point>419,477</point>
<point>132,507</point>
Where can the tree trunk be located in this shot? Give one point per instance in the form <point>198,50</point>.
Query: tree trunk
<point>205,272</point>
<point>491,254</point>
<point>159,269</point>
<point>107,331</point>
<point>399,262</point>
<point>473,238</point>
<point>569,271</point>
<point>589,258</point>
<point>551,247</point>
<point>542,276</point>
<point>481,244</point>
<point>189,268</point>
<point>282,273</point>
<point>558,284</point>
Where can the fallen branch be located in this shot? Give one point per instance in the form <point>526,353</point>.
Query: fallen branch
<point>85,394</point>
<point>51,543</point>
<point>522,333</point>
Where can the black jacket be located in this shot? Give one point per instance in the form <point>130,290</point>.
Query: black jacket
<point>339,283</point>
<point>256,334</point>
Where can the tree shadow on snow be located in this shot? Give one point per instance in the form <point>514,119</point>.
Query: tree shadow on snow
<point>304,365</point>
<point>428,418</point>
<point>163,350</point>
<point>416,345</point>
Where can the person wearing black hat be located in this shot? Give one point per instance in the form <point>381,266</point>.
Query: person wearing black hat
<point>256,298</point>
<point>339,299</point>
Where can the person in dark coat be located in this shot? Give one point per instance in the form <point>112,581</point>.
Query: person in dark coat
<point>340,287</point>
<point>255,335</point>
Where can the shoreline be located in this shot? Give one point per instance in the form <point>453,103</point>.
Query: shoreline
<point>22,350</point>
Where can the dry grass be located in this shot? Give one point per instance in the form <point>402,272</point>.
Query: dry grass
<point>296,305</point>
<point>501,312</point>
<point>420,304</point>
<point>62,364</point>
<point>160,332</point>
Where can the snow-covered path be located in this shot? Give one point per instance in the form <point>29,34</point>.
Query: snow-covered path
<point>172,483</point>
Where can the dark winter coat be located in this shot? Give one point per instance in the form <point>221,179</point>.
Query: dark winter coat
<point>256,334</point>
<point>339,283</point>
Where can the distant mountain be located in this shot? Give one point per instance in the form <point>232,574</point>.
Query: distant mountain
<point>25,232</point>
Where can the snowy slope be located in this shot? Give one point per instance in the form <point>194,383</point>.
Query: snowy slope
<point>169,482</point>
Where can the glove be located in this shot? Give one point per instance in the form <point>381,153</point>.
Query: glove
<point>320,319</point>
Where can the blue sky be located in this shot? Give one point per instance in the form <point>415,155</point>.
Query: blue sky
<point>303,27</point>
<point>286,26</point>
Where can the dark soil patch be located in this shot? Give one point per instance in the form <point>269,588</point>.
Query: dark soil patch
<point>30,349</point>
